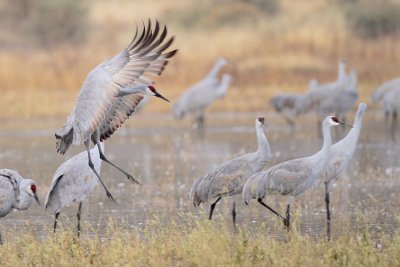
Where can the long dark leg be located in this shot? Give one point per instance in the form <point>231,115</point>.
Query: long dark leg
<point>234,214</point>
<point>394,124</point>
<point>78,217</point>
<point>328,213</point>
<point>200,125</point>
<point>286,221</point>
<point>87,144</point>
<point>273,211</point>
<point>130,177</point>
<point>55,222</point>
<point>1,240</point>
<point>213,207</point>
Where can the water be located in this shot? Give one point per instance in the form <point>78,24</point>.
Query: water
<point>167,156</point>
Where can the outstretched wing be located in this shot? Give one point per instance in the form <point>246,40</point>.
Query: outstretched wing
<point>144,55</point>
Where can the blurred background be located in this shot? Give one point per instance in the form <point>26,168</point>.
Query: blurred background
<point>47,47</point>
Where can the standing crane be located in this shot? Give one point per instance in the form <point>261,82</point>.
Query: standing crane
<point>228,179</point>
<point>202,94</point>
<point>73,181</point>
<point>293,177</point>
<point>111,92</point>
<point>15,192</point>
<point>341,154</point>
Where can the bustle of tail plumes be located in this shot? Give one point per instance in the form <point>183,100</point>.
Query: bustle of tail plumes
<point>64,141</point>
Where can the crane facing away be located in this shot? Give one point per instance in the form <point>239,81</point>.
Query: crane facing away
<point>228,179</point>
<point>341,154</point>
<point>293,177</point>
<point>73,181</point>
<point>15,192</point>
<point>111,92</point>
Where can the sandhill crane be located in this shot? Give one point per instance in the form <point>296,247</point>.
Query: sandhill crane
<point>15,192</point>
<point>228,179</point>
<point>334,98</point>
<point>341,154</point>
<point>387,96</point>
<point>73,181</point>
<point>111,92</point>
<point>293,177</point>
<point>290,106</point>
<point>202,94</point>
<point>391,105</point>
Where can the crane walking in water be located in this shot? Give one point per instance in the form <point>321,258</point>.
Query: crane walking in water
<point>111,92</point>
<point>293,177</point>
<point>228,179</point>
<point>15,192</point>
<point>341,154</point>
<point>73,181</point>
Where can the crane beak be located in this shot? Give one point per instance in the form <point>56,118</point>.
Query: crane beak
<point>345,124</point>
<point>36,198</point>
<point>157,94</point>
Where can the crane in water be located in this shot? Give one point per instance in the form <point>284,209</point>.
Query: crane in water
<point>228,179</point>
<point>111,92</point>
<point>201,95</point>
<point>293,177</point>
<point>341,154</point>
<point>73,181</point>
<point>15,192</point>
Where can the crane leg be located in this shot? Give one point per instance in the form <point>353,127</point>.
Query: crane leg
<point>273,211</point>
<point>55,222</point>
<point>1,240</point>
<point>78,217</point>
<point>200,125</point>
<point>87,144</point>
<point>328,213</point>
<point>286,221</point>
<point>234,214</point>
<point>130,177</point>
<point>213,207</point>
<point>394,124</point>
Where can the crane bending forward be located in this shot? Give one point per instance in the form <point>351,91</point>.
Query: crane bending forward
<point>112,90</point>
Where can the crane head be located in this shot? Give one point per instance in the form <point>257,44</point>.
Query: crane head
<point>153,92</point>
<point>334,121</point>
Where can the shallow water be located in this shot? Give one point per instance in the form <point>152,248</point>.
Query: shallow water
<point>167,156</point>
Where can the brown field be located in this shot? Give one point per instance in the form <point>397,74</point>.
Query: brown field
<point>269,53</point>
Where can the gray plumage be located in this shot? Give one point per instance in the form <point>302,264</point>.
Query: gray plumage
<point>111,92</point>
<point>338,97</point>
<point>294,177</point>
<point>341,154</point>
<point>73,181</point>
<point>201,95</point>
<point>228,179</point>
<point>291,105</point>
<point>15,192</point>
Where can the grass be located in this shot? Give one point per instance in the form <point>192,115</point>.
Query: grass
<point>198,243</point>
<point>269,54</point>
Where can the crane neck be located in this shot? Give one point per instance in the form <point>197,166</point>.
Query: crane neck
<point>264,149</point>
<point>352,137</point>
<point>214,71</point>
<point>324,154</point>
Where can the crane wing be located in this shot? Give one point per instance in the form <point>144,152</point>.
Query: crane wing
<point>143,56</point>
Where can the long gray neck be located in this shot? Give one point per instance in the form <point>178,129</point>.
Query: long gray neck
<point>214,71</point>
<point>350,140</point>
<point>264,149</point>
<point>324,153</point>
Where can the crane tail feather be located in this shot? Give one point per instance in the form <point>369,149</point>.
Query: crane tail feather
<point>64,141</point>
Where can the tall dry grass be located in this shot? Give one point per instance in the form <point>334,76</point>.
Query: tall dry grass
<point>268,53</point>
<point>203,243</point>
